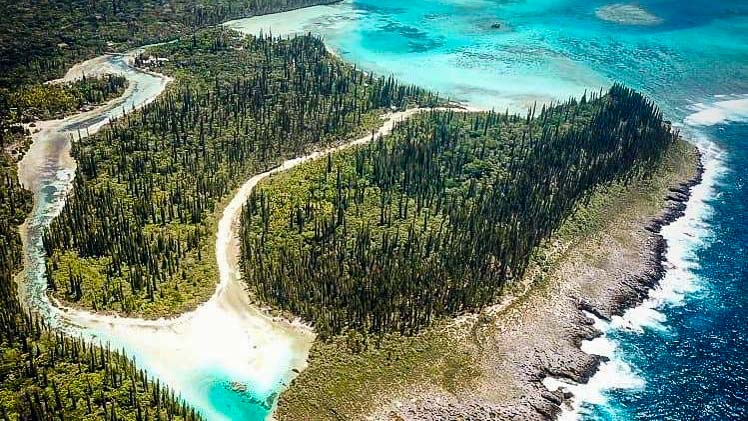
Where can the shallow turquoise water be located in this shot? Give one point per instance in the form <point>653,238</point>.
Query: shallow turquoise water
<point>689,360</point>
<point>205,384</point>
<point>53,181</point>
<point>544,49</point>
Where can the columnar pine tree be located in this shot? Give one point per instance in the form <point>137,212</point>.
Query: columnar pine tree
<point>46,375</point>
<point>137,229</point>
<point>440,216</point>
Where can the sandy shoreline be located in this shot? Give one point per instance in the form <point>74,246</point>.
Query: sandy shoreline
<point>228,334</point>
<point>550,334</point>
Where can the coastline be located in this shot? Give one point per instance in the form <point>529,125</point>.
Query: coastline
<point>525,397</point>
<point>631,290</point>
<point>624,291</point>
<point>635,291</point>
<point>204,340</point>
<point>536,335</point>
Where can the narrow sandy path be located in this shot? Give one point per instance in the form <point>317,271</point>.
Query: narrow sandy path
<point>230,295</point>
<point>228,334</point>
<point>47,169</point>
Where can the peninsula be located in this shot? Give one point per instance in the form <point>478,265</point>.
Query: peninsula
<point>255,217</point>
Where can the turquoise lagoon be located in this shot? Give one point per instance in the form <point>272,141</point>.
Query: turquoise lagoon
<point>543,50</point>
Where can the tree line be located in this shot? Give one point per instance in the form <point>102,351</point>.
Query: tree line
<point>436,219</point>
<point>39,40</point>
<point>50,101</point>
<point>46,375</point>
<point>136,233</point>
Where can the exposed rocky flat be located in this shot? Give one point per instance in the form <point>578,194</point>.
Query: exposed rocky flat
<point>539,334</point>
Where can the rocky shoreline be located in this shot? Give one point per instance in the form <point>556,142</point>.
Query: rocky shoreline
<point>541,335</point>
<point>634,290</point>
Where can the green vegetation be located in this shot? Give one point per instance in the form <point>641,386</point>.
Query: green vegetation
<point>342,384</point>
<point>136,235</point>
<point>441,216</point>
<point>49,101</point>
<point>44,102</point>
<point>352,375</point>
<point>39,40</point>
<point>44,375</point>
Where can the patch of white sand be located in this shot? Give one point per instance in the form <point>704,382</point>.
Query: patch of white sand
<point>299,21</point>
<point>228,334</point>
<point>226,340</point>
<point>627,14</point>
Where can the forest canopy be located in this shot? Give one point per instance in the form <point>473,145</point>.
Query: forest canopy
<point>39,40</point>
<point>45,375</point>
<point>440,216</point>
<point>136,234</point>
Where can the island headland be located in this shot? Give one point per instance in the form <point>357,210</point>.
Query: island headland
<point>506,351</point>
<point>488,363</point>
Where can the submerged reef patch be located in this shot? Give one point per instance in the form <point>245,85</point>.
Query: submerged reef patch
<point>627,14</point>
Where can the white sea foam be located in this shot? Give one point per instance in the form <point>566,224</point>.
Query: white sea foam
<point>729,108</point>
<point>601,346</point>
<point>615,373</point>
<point>684,237</point>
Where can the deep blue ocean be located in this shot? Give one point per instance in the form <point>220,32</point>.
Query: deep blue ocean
<point>692,356</point>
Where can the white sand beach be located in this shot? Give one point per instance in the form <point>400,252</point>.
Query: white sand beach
<point>227,340</point>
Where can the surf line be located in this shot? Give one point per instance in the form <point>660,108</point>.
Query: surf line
<point>682,235</point>
<point>227,339</point>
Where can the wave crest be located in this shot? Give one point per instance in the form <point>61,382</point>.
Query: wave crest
<point>732,110</point>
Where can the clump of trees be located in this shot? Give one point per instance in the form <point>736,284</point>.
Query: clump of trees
<point>439,217</point>
<point>50,101</point>
<point>136,233</point>
<point>39,40</point>
<point>45,375</point>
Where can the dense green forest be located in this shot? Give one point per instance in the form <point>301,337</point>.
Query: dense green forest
<point>40,39</point>
<point>137,233</point>
<point>439,217</point>
<point>46,376</point>
<point>48,101</point>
